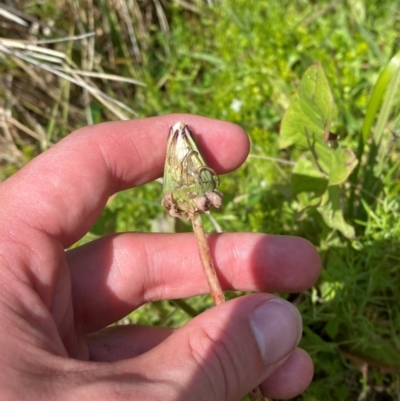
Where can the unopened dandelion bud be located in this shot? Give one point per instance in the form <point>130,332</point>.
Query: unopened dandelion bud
<point>189,184</point>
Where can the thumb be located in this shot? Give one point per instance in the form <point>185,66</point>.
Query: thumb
<point>225,352</point>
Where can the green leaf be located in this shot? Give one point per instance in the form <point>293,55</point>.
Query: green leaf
<point>311,110</point>
<point>330,289</point>
<point>312,339</point>
<point>332,328</point>
<point>209,58</point>
<point>390,101</point>
<point>306,178</point>
<point>306,124</point>
<point>332,213</point>
<point>385,78</point>
<point>384,91</point>
<point>343,163</point>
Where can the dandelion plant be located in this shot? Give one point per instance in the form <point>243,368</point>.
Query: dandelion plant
<point>190,189</point>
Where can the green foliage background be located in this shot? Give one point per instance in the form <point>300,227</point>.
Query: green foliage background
<point>242,61</point>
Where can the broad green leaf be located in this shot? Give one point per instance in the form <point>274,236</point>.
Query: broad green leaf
<point>306,178</point>
<point>343,162</point>
<point>310,113</point>
<point>306,124</point>
<point>332,212</point>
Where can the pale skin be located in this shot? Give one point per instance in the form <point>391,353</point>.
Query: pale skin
<point>55,305</point>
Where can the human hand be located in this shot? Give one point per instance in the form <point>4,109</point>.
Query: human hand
<point>55,306</point>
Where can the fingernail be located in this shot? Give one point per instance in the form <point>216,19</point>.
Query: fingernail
<point>277,327</point>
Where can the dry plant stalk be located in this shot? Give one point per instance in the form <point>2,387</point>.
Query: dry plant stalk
<point>190,189</point>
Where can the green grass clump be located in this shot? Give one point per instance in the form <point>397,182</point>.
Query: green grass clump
<point>243,61</point>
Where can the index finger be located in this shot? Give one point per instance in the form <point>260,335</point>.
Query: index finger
<point>62,191</point>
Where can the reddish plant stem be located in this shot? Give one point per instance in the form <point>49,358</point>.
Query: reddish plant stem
<point>206,260</point>
<point>212,279</point>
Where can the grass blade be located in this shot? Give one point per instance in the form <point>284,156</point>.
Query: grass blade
<point>385,78</point>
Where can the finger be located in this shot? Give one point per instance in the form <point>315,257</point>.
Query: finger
<point>225,352</point>
<point>291,378</point>
<point>122,342</point>
<point>65,188</point>
<point>116,274</point>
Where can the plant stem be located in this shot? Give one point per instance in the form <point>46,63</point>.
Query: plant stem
<point>256,394</point>
<point>206,260</point>
<point>213,282</point>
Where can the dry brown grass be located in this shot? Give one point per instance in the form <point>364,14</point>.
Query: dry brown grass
<point>69,63</point>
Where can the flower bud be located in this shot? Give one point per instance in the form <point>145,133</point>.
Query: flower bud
<point>189,184</point>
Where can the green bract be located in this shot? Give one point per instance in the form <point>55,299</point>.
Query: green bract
<point>189,184</point>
